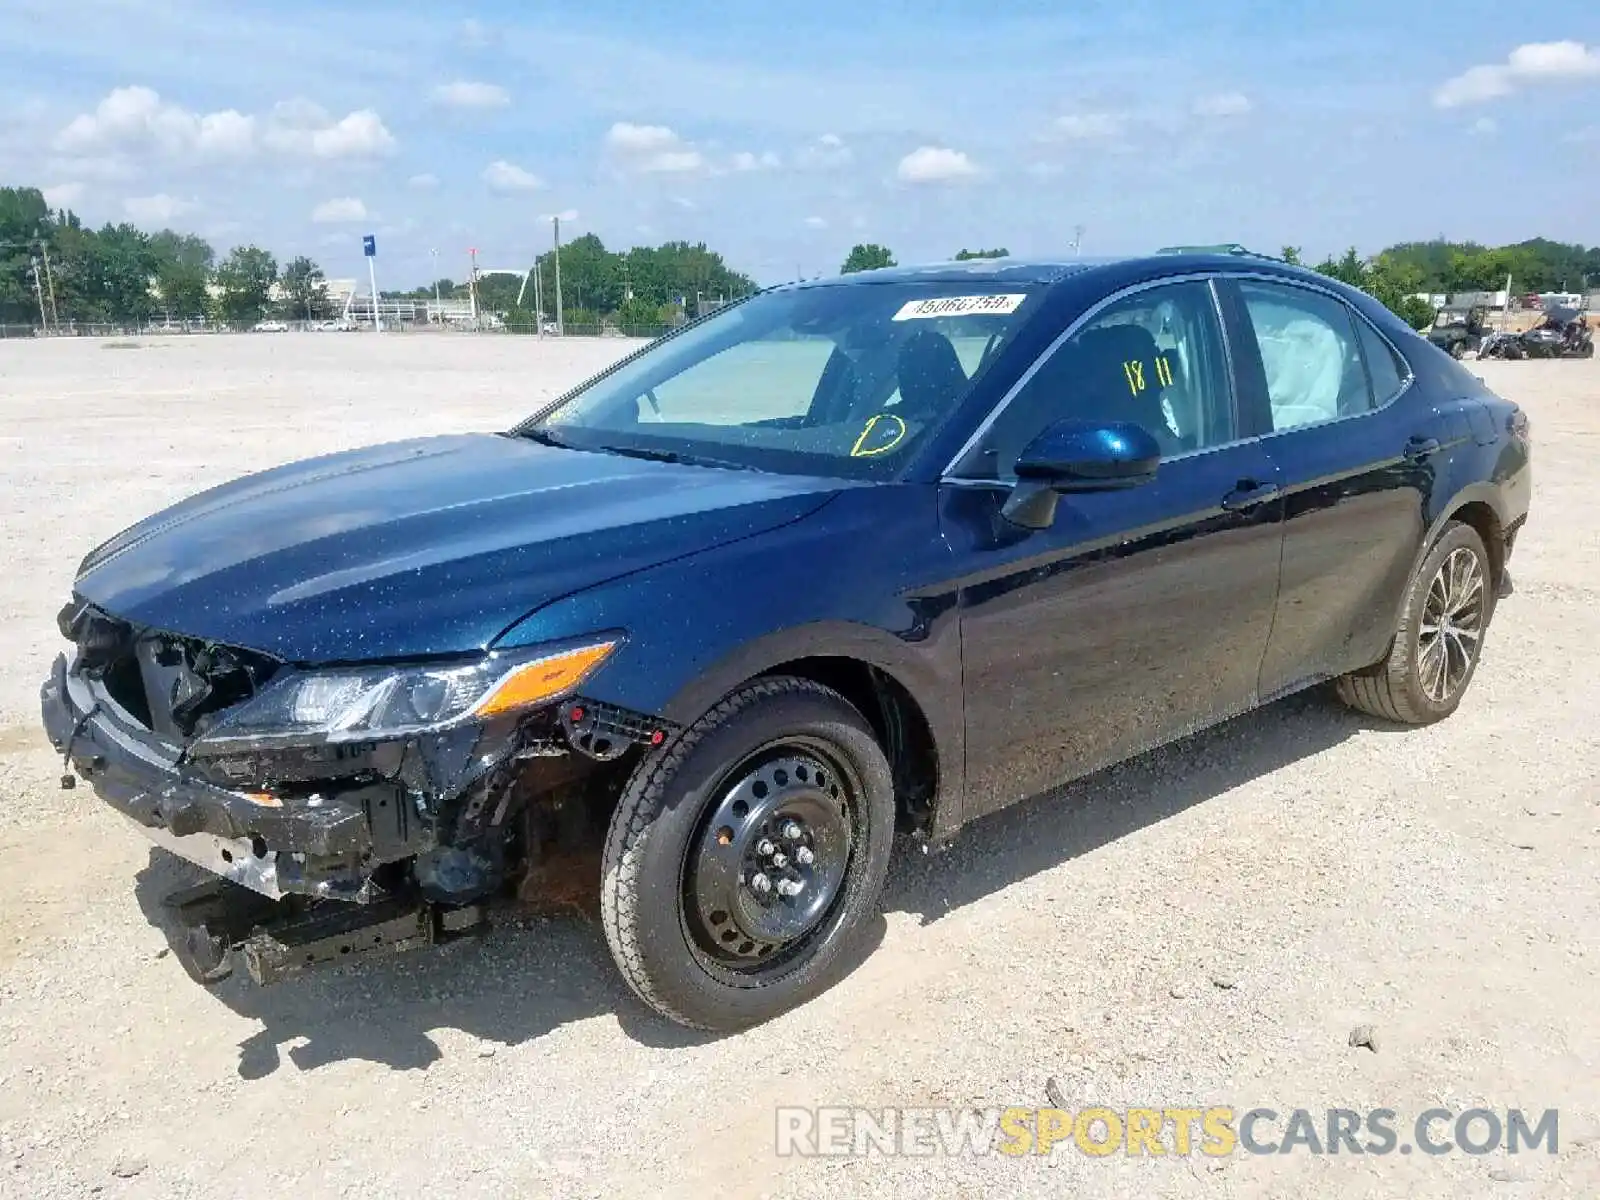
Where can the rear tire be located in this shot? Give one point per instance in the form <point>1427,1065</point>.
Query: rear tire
<point>1439,639</point>
<point>782,784</point>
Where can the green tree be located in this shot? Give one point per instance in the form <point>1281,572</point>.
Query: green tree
<point>245,279</point>
<point>965,255</point>
<point>1290,255</point>
<point>24,222</point>
<point>641,314</point>
<point>867,256</point>
<point>305,289</point>
<point>182,270</point>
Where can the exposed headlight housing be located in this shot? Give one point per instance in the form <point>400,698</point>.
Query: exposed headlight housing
<point>358,704</point>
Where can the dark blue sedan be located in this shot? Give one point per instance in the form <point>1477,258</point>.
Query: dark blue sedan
<point>849,558</point>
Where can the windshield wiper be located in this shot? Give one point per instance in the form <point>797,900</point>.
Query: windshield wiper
<point>545,438</point>
<point>675,456</point>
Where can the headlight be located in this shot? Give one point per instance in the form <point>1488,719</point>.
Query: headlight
<point>363,703</point>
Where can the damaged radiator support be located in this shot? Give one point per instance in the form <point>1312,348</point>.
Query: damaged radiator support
<point>278,940</point>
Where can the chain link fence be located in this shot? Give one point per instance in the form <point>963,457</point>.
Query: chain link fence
<point>85,329</point>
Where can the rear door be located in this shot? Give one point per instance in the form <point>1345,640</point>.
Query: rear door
<point>1356,453</point>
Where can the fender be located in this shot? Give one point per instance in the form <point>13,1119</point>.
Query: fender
<point>867,578</point>
<point>1486,493</point>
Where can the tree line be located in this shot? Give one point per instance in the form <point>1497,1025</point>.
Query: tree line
<point>1398,275</point>
<point>56,271</point>
<point>642,287</point>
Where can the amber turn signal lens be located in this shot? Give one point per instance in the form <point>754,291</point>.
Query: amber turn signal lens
<point>543,679</point>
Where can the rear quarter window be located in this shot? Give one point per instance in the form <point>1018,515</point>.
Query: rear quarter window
<point>1386,369</point>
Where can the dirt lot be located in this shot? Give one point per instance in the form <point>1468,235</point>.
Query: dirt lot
<point>1203,926</point>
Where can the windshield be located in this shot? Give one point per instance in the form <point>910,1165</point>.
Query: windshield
<point>842,380</point>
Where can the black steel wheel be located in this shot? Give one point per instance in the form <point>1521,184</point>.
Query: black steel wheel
<point>745,859</point>
<point>770,857</point>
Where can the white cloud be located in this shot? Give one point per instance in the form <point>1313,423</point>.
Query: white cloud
<point>136,119</point>
<point>423,183</point>
<point>226,132</point>
<point>1484,126</point>
<point>338,211</point>
<point>1535,62</point>
<point>1089,126</point>
<point>63,195</point>
<point>651,149</point>
<point>1223,104</point>
<point>302,128</point>
<point>827,153</point>
<point>1045,170</point>
<point>157,209</point>
<point>475,35</point>
<point>746,161</point>
<point>468,94</point>
<point>502,176</point>
<point>685,203</point>
<point>935,164</point>
<point>816,222</point>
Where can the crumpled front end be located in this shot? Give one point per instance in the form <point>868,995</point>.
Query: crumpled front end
<point>341,846</point>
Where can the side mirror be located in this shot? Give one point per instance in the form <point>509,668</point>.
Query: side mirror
<point>1078,456</point>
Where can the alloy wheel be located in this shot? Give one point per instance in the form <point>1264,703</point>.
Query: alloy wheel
<point>1451,630</point>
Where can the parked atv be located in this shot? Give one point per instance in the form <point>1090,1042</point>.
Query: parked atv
<point>1502,345</point>
<point>1459,332</point>
<point>1564,333</point>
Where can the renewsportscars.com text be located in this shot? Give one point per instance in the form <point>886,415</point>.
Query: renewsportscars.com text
<point>1214,1131</point>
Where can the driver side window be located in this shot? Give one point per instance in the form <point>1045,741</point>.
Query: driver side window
<point>1154,358</point>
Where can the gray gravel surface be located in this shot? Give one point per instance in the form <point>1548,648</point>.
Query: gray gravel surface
<point>1205,925</point>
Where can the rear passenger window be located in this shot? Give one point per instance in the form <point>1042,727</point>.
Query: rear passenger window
<point>1309,351</point>
<point>1384,368</point>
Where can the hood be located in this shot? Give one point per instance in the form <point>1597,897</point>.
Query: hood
<point>417,548</point>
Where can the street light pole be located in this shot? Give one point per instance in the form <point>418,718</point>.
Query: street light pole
<point>561,328</point>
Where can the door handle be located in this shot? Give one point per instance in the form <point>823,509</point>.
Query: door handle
<point>1420,447</point>
<point>1248,493</point>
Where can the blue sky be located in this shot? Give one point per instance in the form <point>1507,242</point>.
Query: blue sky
<point>782,134</point>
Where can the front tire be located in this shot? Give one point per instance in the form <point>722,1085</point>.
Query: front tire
<point>1439,639</point>
<point>746,858</point>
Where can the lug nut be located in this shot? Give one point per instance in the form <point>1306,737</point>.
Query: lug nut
<point>761,883</point>
<point>791,830</point>
<point>764,847</point>
<point>803,856</point>
<point>780,860</point>
<point>789,887</point>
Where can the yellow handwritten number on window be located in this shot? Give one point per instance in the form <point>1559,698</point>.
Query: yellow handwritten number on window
<point>1133,369</point>
<point>893,430</point>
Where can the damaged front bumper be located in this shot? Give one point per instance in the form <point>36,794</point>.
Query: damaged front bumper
<point>310,844</point>
<point>323,853</point>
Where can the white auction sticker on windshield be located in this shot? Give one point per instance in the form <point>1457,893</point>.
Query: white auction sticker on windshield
<point>959,306</point>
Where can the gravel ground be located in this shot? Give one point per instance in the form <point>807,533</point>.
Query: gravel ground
<point>1202,926</point>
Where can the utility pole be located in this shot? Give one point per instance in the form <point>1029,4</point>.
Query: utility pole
<point>38,291</point>
<point>1077,240</point>
<point>472,284</point>
<point>50,283</point>
<point>538,298</point>
<point>561,328</point>
<point>438,310</point>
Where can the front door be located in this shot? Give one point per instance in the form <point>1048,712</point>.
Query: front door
<point>1141,614</point>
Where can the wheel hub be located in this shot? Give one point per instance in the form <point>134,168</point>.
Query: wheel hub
<point>771,858</point>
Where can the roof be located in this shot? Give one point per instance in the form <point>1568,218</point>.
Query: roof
<point>1043,270</point>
